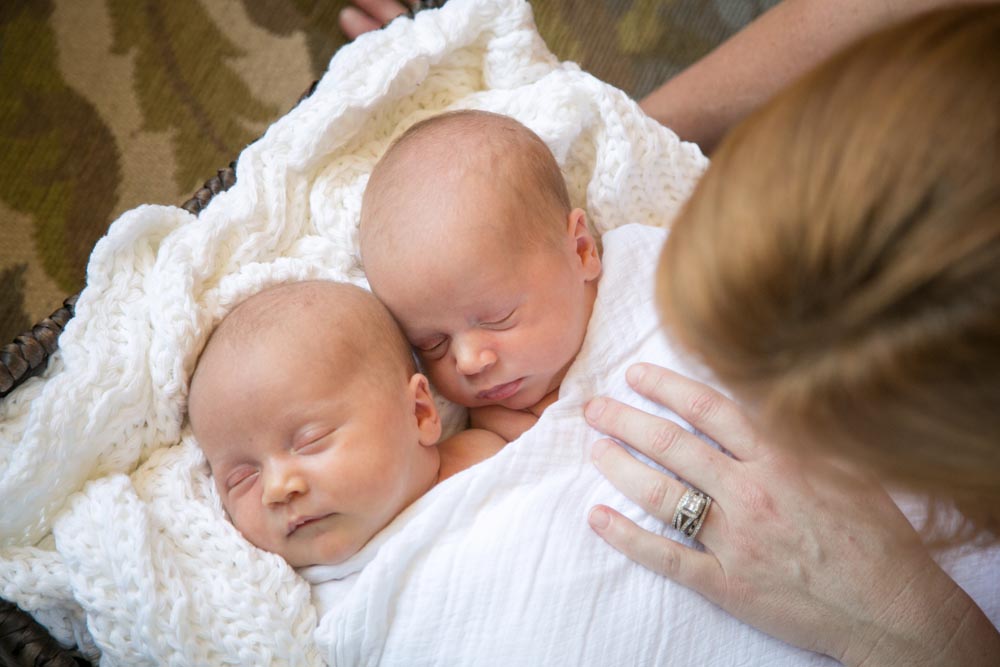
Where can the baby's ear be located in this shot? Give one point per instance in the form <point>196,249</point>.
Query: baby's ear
<point>586,246</point>
<point>428,419</point>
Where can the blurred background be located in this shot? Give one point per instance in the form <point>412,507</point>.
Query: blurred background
<point>109,104</point>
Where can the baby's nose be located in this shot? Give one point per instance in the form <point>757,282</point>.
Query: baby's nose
<point>281,484</point>
<point>472,356</point>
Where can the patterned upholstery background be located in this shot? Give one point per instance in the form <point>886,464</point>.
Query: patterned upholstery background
<point>108,104</point>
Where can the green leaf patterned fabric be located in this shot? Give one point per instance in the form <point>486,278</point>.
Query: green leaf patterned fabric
<point>109,104</point>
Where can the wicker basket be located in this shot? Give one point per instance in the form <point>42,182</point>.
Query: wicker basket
<point>24,642</point>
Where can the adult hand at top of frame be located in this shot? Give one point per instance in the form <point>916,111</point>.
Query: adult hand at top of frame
<point>811,553</point>
<point>367,15</point>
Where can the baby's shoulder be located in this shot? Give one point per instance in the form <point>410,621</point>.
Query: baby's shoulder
<point>467,448</point>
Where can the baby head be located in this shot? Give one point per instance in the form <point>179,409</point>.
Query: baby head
<point>468,237</point>
<point>317,428</point>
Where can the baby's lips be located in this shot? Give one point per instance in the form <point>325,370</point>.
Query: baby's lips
<point>297,523</point>
<point>501,391</point>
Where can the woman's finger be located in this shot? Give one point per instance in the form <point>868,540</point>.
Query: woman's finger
<point>368,15</point>
<point>697,570</point>
<point>354,22</point>
<point>651,489</point>
<point>666,442</point>
<point>382,10</point>
<point>699,405</point>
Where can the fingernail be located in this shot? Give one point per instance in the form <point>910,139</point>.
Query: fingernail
<point>635,373</point>
<point>594,409</point>
<point>597,451</point>
<point>599,519</point>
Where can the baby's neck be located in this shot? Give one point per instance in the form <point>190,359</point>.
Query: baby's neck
<point>538,408</point>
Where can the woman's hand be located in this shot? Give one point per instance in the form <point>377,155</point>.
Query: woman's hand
<point>367,15</point>
<point>809,552</point>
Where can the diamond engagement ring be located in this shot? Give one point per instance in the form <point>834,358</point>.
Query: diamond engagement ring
<point>691,512</point>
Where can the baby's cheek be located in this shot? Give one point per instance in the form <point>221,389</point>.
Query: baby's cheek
<point>232,514</point>
<point>239,515</point>
<point>223,500</point>
<point>442,377</point>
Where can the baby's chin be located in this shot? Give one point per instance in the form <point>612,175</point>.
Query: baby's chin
<point>321,556</point>
<point>522,402</point>
<point>325,547</point>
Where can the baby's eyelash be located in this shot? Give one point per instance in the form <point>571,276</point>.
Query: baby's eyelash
<point>238,477</point>
<point>427,347</point>
<point>433,352</point>
<point>502,320</point>
<point>313,444</point>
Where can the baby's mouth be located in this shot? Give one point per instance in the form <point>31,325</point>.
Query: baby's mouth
<point>295,524</point>
<point>501,391</point>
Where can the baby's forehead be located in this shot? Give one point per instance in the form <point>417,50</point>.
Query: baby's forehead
<point>444,149</point>
<point>468,172</point>
<point>286,319</point>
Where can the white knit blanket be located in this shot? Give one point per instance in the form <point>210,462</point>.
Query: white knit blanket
<point>111,532</point>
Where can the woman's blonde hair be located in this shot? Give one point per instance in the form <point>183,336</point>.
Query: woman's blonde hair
<point>838,266</point>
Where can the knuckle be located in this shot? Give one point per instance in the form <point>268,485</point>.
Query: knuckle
<point>703,406</point>
<point>745,545</point>
<point>664,437</point>
<point>667,561</point>
<point>757,501</point>
<point>656,495</point>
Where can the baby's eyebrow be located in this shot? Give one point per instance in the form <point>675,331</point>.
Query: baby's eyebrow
<point>222,463</point>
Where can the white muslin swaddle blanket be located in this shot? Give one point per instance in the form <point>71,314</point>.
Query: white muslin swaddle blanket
<point>497,566</point>
<point>111,532</point>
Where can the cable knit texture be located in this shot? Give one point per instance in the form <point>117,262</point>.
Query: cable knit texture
<point>112,534</point>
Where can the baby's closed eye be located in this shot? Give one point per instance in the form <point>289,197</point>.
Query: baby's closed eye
<point>433,348</point>
<point>313,443</point>
<point>501,322</point>
<point>240,477</point>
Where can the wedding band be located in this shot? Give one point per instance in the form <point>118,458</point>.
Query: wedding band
<point>691,512</point>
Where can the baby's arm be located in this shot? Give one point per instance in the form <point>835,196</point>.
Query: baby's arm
<point>505,423</point>
<point>467,448</point>
<point>510,424</point>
